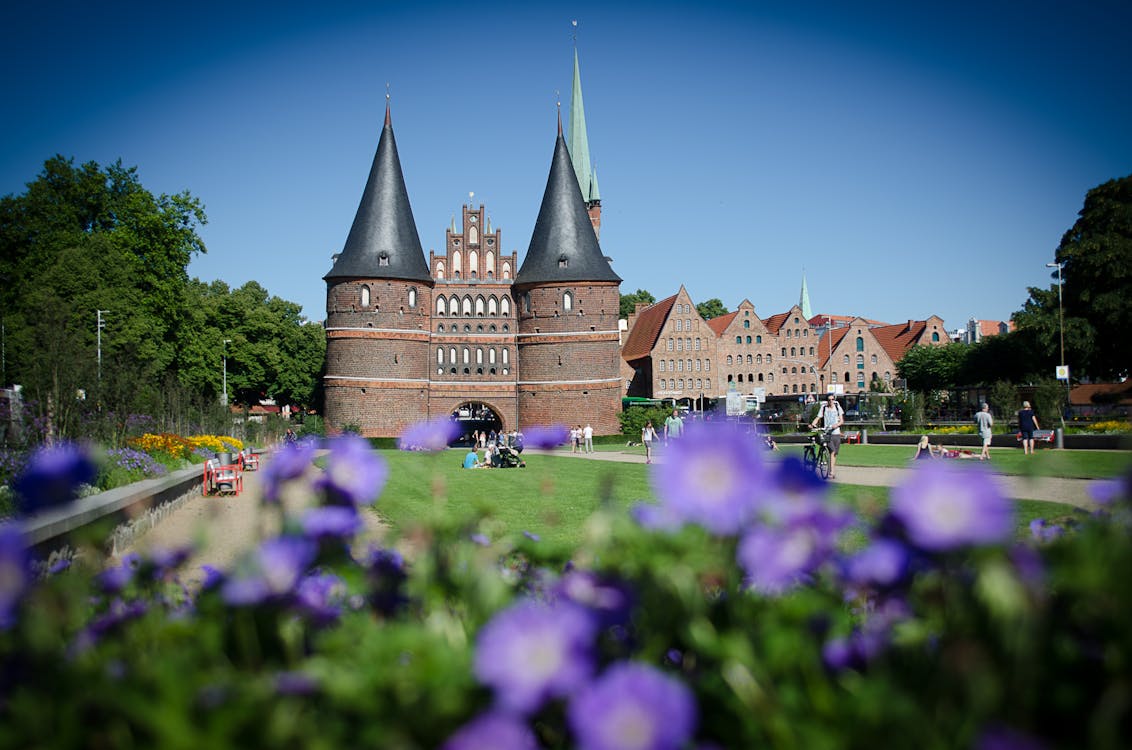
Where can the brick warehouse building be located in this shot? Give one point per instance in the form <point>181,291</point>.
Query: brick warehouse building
<point>464,332</point>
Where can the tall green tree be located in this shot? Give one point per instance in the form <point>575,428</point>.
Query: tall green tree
<point>1096,274</point>
<point>629,301</point>
<point>711,308</point>
<point>931,368</point>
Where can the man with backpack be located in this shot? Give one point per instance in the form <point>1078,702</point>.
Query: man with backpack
<point>832,416</point>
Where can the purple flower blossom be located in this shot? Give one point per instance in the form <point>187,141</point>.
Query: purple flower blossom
<point>52,477</point>
<point>709,477</point>
<point>166,561</point>
<point>274,570</point>
<point>492,731</point>
<point>776,559</point>
<point>320,597</point>
<point>480,539</point>
<point>15,572</point>
<point>532,536</point>
<point>1001,737</point>
<point>115,579</point>
<point>882,563</point>
<point>1043,531</point>
<point>610,602</point>
<point>943,507</point>
<point>295,683</point>
<point>287,464</point>
<point>385,579</point>
<point>633,707</point>
<point>331,522</point>
<point>1105,492</point>
<point>546,436</point>
<point>531,652</point>
<point>655,517</point>
<point>355,475</point>
<point>431,435</point>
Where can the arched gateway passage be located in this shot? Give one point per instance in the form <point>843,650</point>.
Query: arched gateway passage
<point>475,416</point>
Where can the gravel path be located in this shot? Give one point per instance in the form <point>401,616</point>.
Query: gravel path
<point>222,528</point>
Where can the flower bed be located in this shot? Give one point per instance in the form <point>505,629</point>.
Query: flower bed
<point>728,614</point>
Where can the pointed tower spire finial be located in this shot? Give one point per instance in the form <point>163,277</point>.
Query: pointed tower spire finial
<point>388,121</point>
<point>558,104</point>
<point>804,298</point>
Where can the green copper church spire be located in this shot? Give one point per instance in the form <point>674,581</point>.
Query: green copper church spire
<point>578,144</point>
<point>804,299</point>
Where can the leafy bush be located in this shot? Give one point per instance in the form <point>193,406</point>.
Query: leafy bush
<point>124,466</point>
<point>728,614</point>
<point>1111,426</point>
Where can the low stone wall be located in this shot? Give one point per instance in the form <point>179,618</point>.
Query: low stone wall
<point>133,509</point>
<point>1006,440</point>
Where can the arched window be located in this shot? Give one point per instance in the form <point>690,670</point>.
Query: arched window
<point>860,343</point>
<point>845,359</point>
<point>454,305</point>
<point>748,340</point>
<point>860,361</point>
<point>489,261</point>
<point>746,324</point>
<point>846,377</point>
<point>758,339</point>
<point>412,296</point>
<point>662,364</point>
<point>750,359</point>
<point>935,337</point>
<point>468,306</point>
<point>758,359</point>
<point>491,355</point>
<point>505,307</point>
<point>784,351</point>
<point>699,364</point>
<point>873,359</point>
<point>760,377</point>
<point>506,358</point>
<point>792,353</point>
<point>738,339</point>
<point>456,262</point>
<point>679,345</point>
<point>440,270</point>
<point>365,296</point>
<point>452,355</point>
<point>473,238</point>
<point>479,307</point>
<point>740,377</point>
<point>729,359</point>
<point>787,333</point>
<point>439,355</point>
<point>768,358</point>
<point>679,325</point>
<point>679,365</point>
<point>479,356</point>
<point>492,306</point>
<point>473,262</point>
<point>793,370</point>
<point>770,377</point>
<point>441,305</point>
<point>567,301</point>
<point>467,356</point>
<point>707,365</point>
<point>506,270</point>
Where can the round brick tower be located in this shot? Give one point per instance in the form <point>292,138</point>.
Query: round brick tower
<point>378,300</point>
<point>568,302</point>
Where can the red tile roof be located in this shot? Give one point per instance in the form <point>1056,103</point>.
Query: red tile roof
<point>646,330</point>
<point>719,325</point>
<point>898,339</point>
<point>827,343</point>
<point>774,322</point>
<point>1095,394</point>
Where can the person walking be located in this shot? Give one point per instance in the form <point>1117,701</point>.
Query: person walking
<point>1027,425</point>
<point>832,416</point>
<point>985,421</point>
<point>588,437</point>
<point>648,434</point>
<point>673,427</point>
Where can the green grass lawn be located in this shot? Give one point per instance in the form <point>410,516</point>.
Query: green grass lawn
<point>1078,464</point>
<point>555,495</point>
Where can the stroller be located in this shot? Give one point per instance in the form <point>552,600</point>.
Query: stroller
<point>507,458</point>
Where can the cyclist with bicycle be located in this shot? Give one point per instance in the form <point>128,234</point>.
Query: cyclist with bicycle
<point>832,416</point>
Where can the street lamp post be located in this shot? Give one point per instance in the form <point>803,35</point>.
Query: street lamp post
<point>101,325</point>
<point>225,366</point>
<point>1061,333</point>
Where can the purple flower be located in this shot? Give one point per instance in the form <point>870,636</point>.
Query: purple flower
<point>531,652</point>
<point>1001,737</point>
<point>481,540</point>
<point>532,536</point>
<point>655,517</point>
<point>320,597</point>
<point>943,507</point>
<point>168,560</point>
<point>882,563</point>
<point>546,436</point>
<point>331,522</point>
<point>1043,531</point>
<point>15,572</point>
<point>287,464</point>
<point>113,580</point>
<point>52,477</point>
<point>776,559</point>
<point>610,602</point>
<point>385,579</point>
<point>1107,491</point>
<point>355,475</point>
<point>431,435</point>
<point>633,707</point>
<point>709,477</point>
<point>274,570</point>
<point>492,731</point>
<point>295,683</point>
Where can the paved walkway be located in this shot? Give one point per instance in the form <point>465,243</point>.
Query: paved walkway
<point>1050,489</point>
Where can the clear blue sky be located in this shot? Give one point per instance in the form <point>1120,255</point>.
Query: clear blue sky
<point>911,158</point>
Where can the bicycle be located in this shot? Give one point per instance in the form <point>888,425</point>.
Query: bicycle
<point>815,456</point>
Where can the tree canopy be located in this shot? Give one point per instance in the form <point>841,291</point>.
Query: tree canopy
<point>1096,275</point>
<point>711,308</point>
<point>85,244</point>
<point>629,301</point>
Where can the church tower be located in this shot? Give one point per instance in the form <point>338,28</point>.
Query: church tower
<point>579,147</point>
<point>569,299</point>
<point>378,299</point>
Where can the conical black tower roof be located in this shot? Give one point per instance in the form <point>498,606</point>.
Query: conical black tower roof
<point>563,245</point>
<point>383,241</point>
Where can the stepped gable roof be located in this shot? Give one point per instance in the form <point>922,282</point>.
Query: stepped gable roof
<point>719,324</point>
<point>827,343</point>
<point>383,241</point>
<point>646,329</point>
<point>563,245</point>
